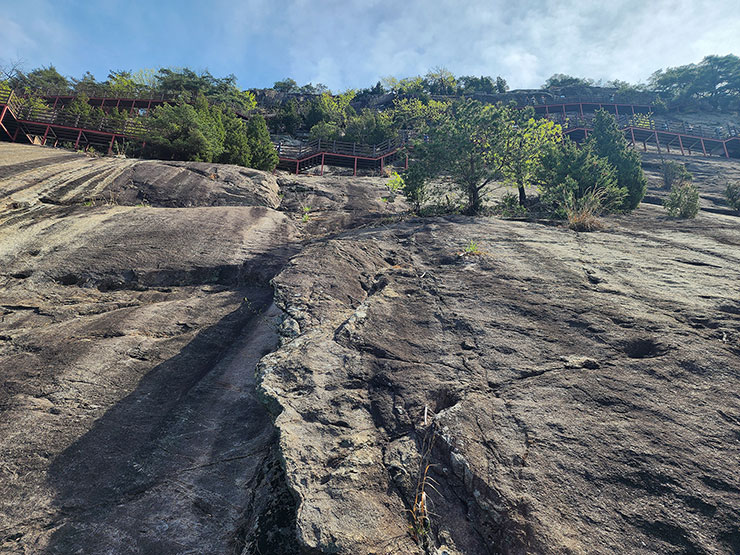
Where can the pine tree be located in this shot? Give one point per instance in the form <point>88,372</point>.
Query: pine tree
<point>608,141</point>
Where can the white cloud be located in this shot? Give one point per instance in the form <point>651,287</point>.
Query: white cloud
<point>352,43</point>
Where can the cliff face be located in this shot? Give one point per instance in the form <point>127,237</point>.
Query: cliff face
<point>548,392</point>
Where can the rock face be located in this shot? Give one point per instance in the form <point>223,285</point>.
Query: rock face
<point>542,391</point>
<point>129,332</point>
<point>560,392</point>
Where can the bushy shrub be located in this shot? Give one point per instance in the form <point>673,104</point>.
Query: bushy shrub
<point>683,202</point>
<point>583,212</point>
<point>732,194</point>
<point>326,131</point>
<point>202,132</point>
<point>508,206</point>
<point>674,173</point>
<point>568,174</point>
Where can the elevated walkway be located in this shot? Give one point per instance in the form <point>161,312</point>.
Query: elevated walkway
<point>357,156</point>
<point>661,133</point>
<point>42,125</point>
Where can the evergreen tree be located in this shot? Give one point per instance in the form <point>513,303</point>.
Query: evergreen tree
<point>568,173</point>
<point>263,152</point>
<point>608,141</point>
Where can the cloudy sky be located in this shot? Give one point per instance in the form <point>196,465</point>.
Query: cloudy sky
<point>353,43</point>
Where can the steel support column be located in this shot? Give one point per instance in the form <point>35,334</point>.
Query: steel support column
<point>322,162</point>
<point>46,133</point>
<point>355,173</point>
<point>724,145</point>
<point>657,142</point>
<point>110,146</point>
<point>680,145</point>
<point>632,133</point>
<point>703,148</point>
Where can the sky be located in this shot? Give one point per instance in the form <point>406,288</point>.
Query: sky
<point>353,43</point>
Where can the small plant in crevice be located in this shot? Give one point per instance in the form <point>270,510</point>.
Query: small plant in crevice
<point>472,248</point>
<point>306,214</point>
<point>420,512</point>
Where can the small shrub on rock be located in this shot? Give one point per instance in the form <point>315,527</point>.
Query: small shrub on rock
<point>583,211</point>
<point>508,206</point>
<point>683,202</point>
<point>674,173</point>
<point>732,194</point>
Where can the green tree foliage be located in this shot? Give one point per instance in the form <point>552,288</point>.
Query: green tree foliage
<point>310,88</point>
<point>715,81</point>
<point>263,152</point>
<point>440,80</point>
<point>289,118</point>
<point>188,85</point>
<point>326,131</point>
<point>331,109</point>
<point>561,81</point>
<point>41,80</point>
<point>732,194</point>
<point>470,85</point>
<point>567,174</point>
<point>87,85</point>
<point>203,132</point>
<point>82,113</point>
<point>236,147</point>
<point>683,202</point>
<point>524,142</point>
<point>674,173</point>
<point>413,113</point>
<point>608,141</point>
<point>370,127</point>
<point>465,146</point>
<point>287,85</point>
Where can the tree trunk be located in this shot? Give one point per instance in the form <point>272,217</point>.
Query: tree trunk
<point>522,194</point>
<point>473,199</point>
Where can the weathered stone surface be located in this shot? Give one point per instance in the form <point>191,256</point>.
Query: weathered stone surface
<point>564,413</point>
<point>555,392</point>
<point>128,341</point>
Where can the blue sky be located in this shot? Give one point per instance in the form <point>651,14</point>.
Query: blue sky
<point>353,43</point>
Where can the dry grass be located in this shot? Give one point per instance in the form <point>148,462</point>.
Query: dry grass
<point>583,213</point>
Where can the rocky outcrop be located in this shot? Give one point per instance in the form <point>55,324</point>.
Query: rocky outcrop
<point>560,392</point>
<point>130,327</point>
<point>440,385</point>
